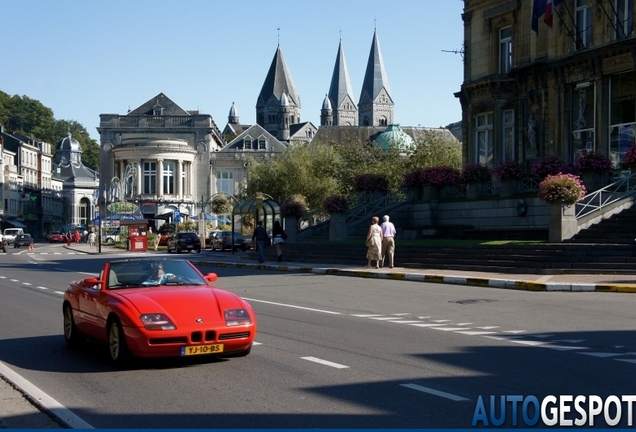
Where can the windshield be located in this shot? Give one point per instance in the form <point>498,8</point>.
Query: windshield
<point>135,274</point>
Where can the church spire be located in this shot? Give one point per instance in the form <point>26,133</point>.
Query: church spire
<point>376,104</point>
<point>278,82</point>
<point>345,111</point>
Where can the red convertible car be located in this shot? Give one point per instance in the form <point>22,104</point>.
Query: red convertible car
<point>157,308</point>
<point>56,237</point>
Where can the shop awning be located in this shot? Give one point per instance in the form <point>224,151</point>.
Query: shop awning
<point>15,223</point>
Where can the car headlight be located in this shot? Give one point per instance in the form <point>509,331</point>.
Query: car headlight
<point>157,322</point>
<point>237,317</point>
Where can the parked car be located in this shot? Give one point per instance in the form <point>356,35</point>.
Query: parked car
<point>111,237</point>
<point>184,242</point>
<point>22,240</point>
<point>222,240</point>
<point>181,316</point>
<point>56,237</point>
<point>11,233</point>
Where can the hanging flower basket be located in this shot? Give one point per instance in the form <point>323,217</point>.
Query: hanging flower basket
<point>565,189</point>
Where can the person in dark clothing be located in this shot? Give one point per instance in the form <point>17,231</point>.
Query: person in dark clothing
<point>260,236</point>
<point>277,233</point>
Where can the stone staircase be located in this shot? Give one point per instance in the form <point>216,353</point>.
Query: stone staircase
<point>546,258</point>
<point>619,229</point>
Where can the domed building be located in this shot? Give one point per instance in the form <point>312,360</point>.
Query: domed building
<point>79,182</point>
<point>395,137</point>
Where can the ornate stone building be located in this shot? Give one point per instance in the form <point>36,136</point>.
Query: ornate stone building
<point>158,156</point>
<point>540,81</point>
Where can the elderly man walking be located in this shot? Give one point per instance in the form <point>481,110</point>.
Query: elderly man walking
<point>388,240</point>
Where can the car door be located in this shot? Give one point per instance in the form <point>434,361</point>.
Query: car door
<point>89,321</point>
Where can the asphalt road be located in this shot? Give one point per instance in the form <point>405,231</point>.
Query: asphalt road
<point>332,352</point>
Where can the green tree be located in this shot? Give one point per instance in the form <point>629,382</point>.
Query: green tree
<point>308,170</point>
<point>435,149</point>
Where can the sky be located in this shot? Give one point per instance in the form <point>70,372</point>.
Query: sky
<point>83,58</point>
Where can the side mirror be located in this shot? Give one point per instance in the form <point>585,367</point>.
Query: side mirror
<point>91,282</point>
<point>211,277</point>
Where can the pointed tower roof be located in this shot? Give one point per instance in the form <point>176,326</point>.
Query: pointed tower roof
<point>278,81</point>
<point>340,83</point>
<point>375,76</point>
<point>326,103</point>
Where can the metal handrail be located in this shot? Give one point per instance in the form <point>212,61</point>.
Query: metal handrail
<point>605,196</point>
<point>368,208</point>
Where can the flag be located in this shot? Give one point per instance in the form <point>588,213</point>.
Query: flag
<point>538,9</point>
<point>549,11</point>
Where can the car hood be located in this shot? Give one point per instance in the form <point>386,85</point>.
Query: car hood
<point>183,304</point>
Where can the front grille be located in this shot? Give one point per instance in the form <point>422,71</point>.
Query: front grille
<point>228,336</point>
<point>163,341</point>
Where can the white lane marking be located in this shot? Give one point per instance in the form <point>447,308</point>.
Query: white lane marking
<point>451,328</point>
<point>3,277</point>
<point>14,280</point>
<point>325,362</point>
<point>385,318</point>
<point>514,331</point>
<point>463,324</point>
<point>626,360</point>
<point>365,316</point>
<point>488,327</point>
<point>424,317</point>
<point>59,292</point>
<point>401,314</point>
<point>44,399</point>
<point>41,287</point>
<point>600,354</point>
<point>256,343</point>
<point>27,283</point>
<point>435,392</point>
<point>531,343</point>
<point>475,333</point>
<point>427,325</point>
<point>441,321</point>
<point>292,306</point>
<point>405,322</point>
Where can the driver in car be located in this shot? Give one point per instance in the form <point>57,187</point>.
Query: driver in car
<point>158,276</point>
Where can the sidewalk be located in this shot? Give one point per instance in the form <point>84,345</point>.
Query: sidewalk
<point>522,281</point>
<point>18,412</point>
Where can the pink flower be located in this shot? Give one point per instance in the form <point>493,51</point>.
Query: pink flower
<point>564,188</point>
<point>593,161</point>
<point>336,204</point>
<point>292,208</point>
<point>371,183</point>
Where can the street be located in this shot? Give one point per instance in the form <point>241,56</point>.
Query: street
<point>332,352</point>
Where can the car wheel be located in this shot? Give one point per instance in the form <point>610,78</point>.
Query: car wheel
<point>243,248</point>
<point>117,347</point>
<point>177,250</point>
<point>71,334</point>
<point>199,250</point>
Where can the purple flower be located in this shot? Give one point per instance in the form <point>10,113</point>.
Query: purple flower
<point>371,183</point>
<point>564,188</point>
<point>475,173</point>
<point>438,176</point>
<point>336,204</point>
<point>551,165</point>
<point>593,161</point>
<point>630,155</point>
<point>292,208</point>
<point>510,170</point>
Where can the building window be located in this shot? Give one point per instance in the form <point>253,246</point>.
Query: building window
<point>247,143</point>
<point>624,18</point>
<point>150,178</point>
<point>168,178</point>
<point>484,139</point>
<point>505,50</point>
<point>225,182</point>
<point>508,138</point>
<point>622,129</point>
<point>583,114</point>
<point>583,17</point>
<point>262,144</point>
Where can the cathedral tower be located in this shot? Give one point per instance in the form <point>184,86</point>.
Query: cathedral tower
<point>345,111</point>
<point>376,104</point>
<point>269,105</point>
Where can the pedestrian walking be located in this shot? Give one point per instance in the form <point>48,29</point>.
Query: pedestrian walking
<point>374,243</point>
<point>76,236</point>
<point>388,240</point>
<point>91,239</point>
<point>260,237</point>
<point>69,238</point>
<point>157,241</point>
<point>279,239</point>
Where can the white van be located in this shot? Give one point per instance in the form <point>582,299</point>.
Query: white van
<point>11,233</point>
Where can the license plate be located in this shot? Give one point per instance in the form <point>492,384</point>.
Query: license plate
<point>201,349</point>
<point>189,246</point>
